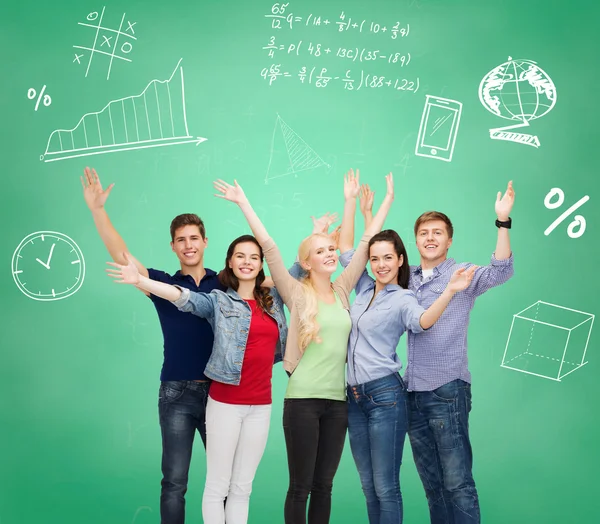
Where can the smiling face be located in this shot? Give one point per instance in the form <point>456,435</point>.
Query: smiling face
<point>318,254</point>
<point>385,263</point>
<point>189,245</point>
<point>245,262</point>
<point>433,242</point>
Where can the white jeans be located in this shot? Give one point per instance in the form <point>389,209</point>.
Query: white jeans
<point>236,436</point>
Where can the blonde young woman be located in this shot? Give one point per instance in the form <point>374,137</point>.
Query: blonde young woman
<point>315,414</point>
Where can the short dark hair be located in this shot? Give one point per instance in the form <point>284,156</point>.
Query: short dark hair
<point>187,219</point>
<point>434,215</point>
<point>228,279</point>
<point>389,235</point>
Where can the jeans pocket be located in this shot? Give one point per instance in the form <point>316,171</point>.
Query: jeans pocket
<point>170,391</point>
<point>385,397</point>
<point>446,393</point>
<point>445,432</point>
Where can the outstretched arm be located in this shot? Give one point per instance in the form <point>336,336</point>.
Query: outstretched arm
<point>376,224</point>
<point>95,198</point>
<point>236,195</point>
<point>501,267</point>
<point>460,280</point>
<point>129,274</point>
<point>350,276</point>
<point>351,189</point>
<point>199,304</point>
<point>284,282</point>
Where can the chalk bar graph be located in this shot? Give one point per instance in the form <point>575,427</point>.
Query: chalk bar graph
<point>154,118</point>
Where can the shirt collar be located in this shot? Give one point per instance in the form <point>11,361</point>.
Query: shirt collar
<point>209,274</point>
<point>440,268</point>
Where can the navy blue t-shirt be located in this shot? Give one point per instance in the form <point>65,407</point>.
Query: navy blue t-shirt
<point>188,339</point>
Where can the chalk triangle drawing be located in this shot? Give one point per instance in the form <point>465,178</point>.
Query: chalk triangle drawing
<point>290,154</point>
<point>154,118</point>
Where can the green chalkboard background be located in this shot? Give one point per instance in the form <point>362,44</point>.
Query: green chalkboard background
<point>79,435</point>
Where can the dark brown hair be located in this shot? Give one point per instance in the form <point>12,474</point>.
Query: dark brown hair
<point>228,278</point>
<point>187,219</point>
<point>434,215</point>
<point>389,235</point>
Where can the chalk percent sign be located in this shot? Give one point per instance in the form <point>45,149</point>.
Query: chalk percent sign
<point>578,220</point>
<point>31,94</point>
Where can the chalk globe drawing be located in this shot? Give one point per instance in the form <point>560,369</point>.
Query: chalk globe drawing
<point>518,90</point>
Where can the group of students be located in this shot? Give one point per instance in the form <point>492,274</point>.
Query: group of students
<point>340,357</point>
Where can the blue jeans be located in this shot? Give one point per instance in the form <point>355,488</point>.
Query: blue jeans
<point>377,425</point>
<point>439,436</point>
<point>181,410</point>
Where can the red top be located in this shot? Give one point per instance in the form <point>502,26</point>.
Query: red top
<point>257,367</point>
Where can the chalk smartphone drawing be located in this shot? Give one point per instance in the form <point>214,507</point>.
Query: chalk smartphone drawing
<point>291,157</point>
<point>578,220</point>
<point>439,128</point>
<point>103,43</point>
<point>548,340</point>
<point>48,265</point>
<point>154,118</point>
<point>519,91</point>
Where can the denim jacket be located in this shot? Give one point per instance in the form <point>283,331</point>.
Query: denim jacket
<point>229,316</point>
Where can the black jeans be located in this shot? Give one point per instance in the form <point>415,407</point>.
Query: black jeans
<point>181,410</point>
<point>315,432</point>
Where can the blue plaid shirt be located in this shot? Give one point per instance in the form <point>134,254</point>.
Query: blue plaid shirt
<point>439,355</point>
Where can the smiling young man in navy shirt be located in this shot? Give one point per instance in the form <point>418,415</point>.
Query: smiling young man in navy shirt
<point>188,342</point>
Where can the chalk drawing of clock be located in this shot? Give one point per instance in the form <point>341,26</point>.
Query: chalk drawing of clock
<point>48,266</point>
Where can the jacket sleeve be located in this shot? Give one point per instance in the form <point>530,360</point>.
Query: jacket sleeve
<point>200,304</point>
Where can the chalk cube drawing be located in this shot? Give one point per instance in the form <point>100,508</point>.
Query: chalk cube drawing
<point>548,340</point>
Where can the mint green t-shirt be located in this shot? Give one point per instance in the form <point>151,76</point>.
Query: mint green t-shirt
<point>321,372</point>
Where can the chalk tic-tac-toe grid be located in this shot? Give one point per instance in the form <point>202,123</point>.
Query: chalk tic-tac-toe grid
<point>109,43</point>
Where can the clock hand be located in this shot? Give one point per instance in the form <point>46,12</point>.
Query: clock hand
<point>50,256</point>
<point>43,263</point>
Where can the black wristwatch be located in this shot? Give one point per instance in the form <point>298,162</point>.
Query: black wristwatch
<point>506,224</point>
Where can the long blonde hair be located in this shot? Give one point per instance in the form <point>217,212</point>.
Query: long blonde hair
<point>308,305</point>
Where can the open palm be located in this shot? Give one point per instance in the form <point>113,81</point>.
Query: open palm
<point>461,279</point>
<point>351,184</point>
<point>124,274</point>
<point>366,197</point>
<point>93,193</point>
<point>504,204</point>
<point>233,193</point>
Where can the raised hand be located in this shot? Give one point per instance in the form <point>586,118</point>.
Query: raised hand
<point>323,223</point>
<point>127,274</point>
<point>504,204</point>
<point>461,279</point>
<point>389,180</point>
<point>233,193</point>
<point>95,197</point>
<point>335,236</point>
<point>365,198</point>
<point>351,184</point>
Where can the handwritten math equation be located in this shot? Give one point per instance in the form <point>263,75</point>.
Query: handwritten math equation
<point>280,18</point>
<point>374,55</point>
<point>348,53</point>
<point>322,79</point>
